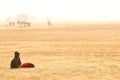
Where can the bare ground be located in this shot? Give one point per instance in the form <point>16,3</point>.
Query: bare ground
<point>67,52</point>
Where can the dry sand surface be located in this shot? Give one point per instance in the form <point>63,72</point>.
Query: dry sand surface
<point>67,52</point>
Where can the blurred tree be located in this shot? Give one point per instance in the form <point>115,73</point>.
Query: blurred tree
<point>49,21</point>
<point>22,20</point>
<point>10,21</point>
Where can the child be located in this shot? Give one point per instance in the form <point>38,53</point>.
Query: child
<point>16,62</point>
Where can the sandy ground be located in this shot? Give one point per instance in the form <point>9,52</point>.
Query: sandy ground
<point>67,52</point>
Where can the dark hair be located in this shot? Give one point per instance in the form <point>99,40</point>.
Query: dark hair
<point>16,53</point>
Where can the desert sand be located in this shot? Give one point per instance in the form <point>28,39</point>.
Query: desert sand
<point>62,52</point>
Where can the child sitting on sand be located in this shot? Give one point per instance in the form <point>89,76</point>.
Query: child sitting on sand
<point>16,62</point>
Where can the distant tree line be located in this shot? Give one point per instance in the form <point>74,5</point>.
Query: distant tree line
<point>21,20</point>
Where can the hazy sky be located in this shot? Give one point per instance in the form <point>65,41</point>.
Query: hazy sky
<point>69,10</point>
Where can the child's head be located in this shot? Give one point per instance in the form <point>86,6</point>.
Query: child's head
<point>17,54</point>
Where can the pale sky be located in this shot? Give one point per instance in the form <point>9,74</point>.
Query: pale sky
<point>67,10</point>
